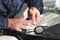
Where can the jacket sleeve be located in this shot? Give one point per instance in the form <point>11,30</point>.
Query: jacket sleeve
<point>3,20</point>
<point>36,3</point>
<point>3,23</point>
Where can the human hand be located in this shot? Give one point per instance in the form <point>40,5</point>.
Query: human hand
<point>34,14</point>
<point>18,24</point>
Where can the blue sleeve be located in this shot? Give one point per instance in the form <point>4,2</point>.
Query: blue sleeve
<point>36,3</point>
<point>9,8</point>
<point>3,20</point>
<point>3,23</point>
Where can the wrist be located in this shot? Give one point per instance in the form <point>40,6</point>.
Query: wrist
<point>9,23</point>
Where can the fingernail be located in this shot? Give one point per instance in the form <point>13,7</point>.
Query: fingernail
<point>24,28</point>
<point>20,30</point>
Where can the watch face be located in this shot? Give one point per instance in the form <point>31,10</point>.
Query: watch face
<point>39,29</point>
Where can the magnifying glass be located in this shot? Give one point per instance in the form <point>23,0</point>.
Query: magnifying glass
<point>40,29</point>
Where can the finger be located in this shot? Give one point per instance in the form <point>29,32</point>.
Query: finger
<point>18,29</point>
<point>27,22</point>
<point>29,16</point>
<point>32,16</point>
<point>22,26</point>
<point>37,17</point>
<point>34,19</point>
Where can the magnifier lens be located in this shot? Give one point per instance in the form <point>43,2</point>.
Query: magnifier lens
<point>38,29</point>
